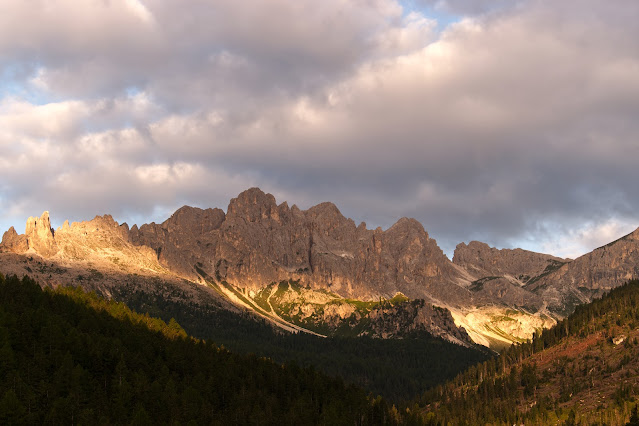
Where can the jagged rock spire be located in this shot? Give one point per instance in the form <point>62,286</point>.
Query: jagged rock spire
<point>40,236</point>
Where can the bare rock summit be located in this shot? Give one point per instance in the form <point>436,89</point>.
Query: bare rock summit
<point>482,261</point>
<point>590,275</point>
<point>259,242</point>
<point>12,242</point>
<point>39,235</point>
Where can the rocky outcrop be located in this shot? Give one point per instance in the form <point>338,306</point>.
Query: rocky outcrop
<point>13,243</point>
<point>331,315</point>
<point>99,243</point>
<point>186,239</point>
<point>590,275</point>
<point>491,291</point>
<point>37,238</point>
<point>259,242</point>
<point>414,316</point>
<point>483,261</point>
<point>39,235</point>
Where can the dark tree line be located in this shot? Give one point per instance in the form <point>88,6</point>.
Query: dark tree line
<point>398,369</point>
<point>69,357</point>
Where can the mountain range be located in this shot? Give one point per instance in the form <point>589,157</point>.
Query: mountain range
<point>319,272</point>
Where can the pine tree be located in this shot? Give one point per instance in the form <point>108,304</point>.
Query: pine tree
<point>634,418</point>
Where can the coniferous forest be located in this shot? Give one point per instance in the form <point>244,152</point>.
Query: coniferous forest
<point>583,370</point>
<point>397,369</point>
<point>69,357</point>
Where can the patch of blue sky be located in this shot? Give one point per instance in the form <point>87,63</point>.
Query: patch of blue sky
<point>18,91</point>
<point>132,91</point>
<point>430,10</point>
<point>15,81</point>
<point>7,219</point>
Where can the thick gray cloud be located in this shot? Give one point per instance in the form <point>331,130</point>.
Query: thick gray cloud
<point>515,125</point>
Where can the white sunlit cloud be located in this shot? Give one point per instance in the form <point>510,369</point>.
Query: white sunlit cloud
<point>576,242</point>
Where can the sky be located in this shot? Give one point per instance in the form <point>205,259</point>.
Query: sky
<point>511,122</point>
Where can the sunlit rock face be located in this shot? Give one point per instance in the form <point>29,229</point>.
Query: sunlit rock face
<point>14,243</point>
<point>97,243</point>
<point>259,242</point>
<point>39,235</point>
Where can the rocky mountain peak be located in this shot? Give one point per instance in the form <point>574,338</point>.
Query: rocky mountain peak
<point>194,219</point>
<point>407,225</point>
<point>104,227</point>
<point>259,242</point>
<point>633,236</point>
<point>328,220</point>
<point>473,245</point>
<point>39,235</point>
<point>13,243</point>
<point>105,221</point>
<point>252,205</point>
<point>326,209</point>
<point>590,275</point>
<point>482,261</point>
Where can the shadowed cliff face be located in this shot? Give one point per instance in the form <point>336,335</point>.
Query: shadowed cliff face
<point>543,280</point>
<point>259,242</point>
<point>187,238</point>
<point>590,275</point>
<point>482,260</point>
<point>502,274</point>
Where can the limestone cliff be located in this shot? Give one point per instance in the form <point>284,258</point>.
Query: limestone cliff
<point>244,251</point>
<point>37,238</point>
<point>14,243</point>
<point>590,275</point>
<point>259,242</point>
<point>39,235</point>
<point>415,316</point>
<point>98,255</point>
<point>482,261</point>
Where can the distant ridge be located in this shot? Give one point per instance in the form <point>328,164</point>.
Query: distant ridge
<point>257,243</point>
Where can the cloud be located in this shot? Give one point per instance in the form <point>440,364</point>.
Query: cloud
<point>574,242</point>
<point>470,7</point>
<point>515,125</point>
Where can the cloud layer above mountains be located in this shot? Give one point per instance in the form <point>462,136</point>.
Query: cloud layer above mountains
<point>514,123</point>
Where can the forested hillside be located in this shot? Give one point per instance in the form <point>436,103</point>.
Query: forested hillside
<point>398,369</point>
<point>584,370</point>
<point>69,357</point>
